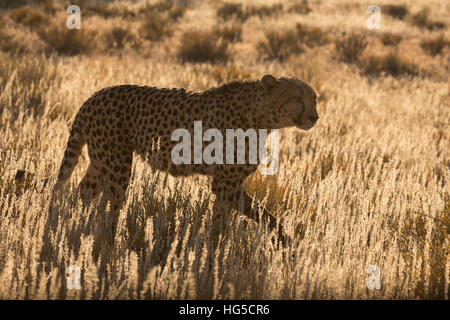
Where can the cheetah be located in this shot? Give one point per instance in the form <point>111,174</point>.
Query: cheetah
<point>121,121</point>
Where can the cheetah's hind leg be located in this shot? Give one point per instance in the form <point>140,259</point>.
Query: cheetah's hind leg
<point>115,181</point>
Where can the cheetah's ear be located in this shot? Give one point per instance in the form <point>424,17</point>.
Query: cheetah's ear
<point>269,82</point>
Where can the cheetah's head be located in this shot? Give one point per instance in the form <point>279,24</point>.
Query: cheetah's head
<point>292,101</point>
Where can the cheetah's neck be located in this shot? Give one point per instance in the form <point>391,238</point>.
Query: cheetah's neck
<point>246,99</point>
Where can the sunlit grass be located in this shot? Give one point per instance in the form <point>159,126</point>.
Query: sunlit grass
<point>367,186</point>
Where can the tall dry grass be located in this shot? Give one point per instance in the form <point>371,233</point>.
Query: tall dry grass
<point>369,185</point>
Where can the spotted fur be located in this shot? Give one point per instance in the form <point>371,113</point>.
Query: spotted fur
<point>118,121</point>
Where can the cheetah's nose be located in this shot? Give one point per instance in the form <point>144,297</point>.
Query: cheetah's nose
<point>314,118</point>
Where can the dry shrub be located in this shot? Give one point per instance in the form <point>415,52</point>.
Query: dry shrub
<point>118,37</point>
<point>390,39</point>
<point>265,11</point>
<point>349,49</point>
<point>238,12</point>
<point>202,46</point>
<point>155,26</point>
<point>176,12</point>
<point>230,11</point>
<point>67,42</point>
<point>19,40</point>
<point>280,45</point>
<point>223,74</point>
<point>171,9</point>
<point>300,8</point>
<point>390,63</point>
<point>50,6</point>
<point>231,33</point>
<point>10,4</point>
<point>8,43</point>
<point>104,10</point>
<point>158,19</point>
<point>435,45</point>
<point>421,19</point>
<point>28,16</point>
<point>311,36</point>
<point>395,11</point>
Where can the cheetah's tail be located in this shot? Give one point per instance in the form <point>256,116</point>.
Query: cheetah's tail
<point>72,153</point>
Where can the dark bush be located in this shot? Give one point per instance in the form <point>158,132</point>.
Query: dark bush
<point>311,36</point>
<point>231,33</point>
<point>280,45</point>
<point>300,8</point>
<point>390,39</point>
<point>434,46</point>
<point>8,43</point>
<point>265,11</point>
<point>202,46</point>
<point>99,9</point>
<point>118,37</point>
<point>230,11</point>
<point>65,41</point>
<point>390,63</point>
<point>350,48</point>
<point>395,11</point>
<point>11,4</point>
<point>155,26</point>
<point>238,12</point>
<point>421,20</point>
<point>169,8</point>
<point>28,16</point>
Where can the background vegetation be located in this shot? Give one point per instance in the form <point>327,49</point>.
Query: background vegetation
<point>369,185</point>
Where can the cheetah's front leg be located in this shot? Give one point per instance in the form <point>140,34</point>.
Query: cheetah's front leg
<point>228,191</point>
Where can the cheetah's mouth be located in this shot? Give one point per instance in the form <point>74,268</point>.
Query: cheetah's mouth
<point>304,126</point>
